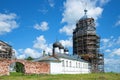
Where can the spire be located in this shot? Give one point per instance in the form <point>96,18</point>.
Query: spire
<point>85,12</point>
<point>85,15</point>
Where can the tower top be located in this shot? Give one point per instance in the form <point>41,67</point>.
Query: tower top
<point>85,11</point>
<point>85,15</point>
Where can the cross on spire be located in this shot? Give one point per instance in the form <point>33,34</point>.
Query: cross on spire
<point>85,11</point>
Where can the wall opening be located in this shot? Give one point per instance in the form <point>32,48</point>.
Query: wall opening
<point>12,67</point>
<point>16,67</point>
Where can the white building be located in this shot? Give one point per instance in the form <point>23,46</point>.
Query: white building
<point>62,63</point>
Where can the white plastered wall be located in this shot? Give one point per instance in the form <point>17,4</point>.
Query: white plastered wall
<point>69,67</point>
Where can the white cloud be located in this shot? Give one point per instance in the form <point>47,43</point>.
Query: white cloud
<point>7,22</point>
<point>24,53</point>
<point>37,50</point>
<point>116,52</point>
<point>19,54</point>
<point>40,43</point>
<point>51,3</point>
<point>103,2</point>
<point>22,56</point>
<point>107,50</point>
<point>112,64</point>
<point>16,53</point>
<point>110,42</point>
<point>111,61</point>
<point>31,52</point>
<point>74,10</point>
<point>105,40</point>
<point>117,23</point>
<point>42,26</point>
<point>118,40</point>
<point>110,46</point>
<point>44,11</point>
<point>68,29</point>
<point>66,43</point>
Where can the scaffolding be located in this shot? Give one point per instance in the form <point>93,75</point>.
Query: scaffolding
<point>86,43</point>
<point>5,50</point>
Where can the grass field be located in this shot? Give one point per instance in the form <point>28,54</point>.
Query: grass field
<point>100,76</point>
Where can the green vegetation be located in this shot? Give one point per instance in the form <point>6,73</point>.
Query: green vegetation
<point>100,76</point>
<point>29,58</point>
<point>19,67</point>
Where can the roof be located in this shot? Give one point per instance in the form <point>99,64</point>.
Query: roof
<point>57,57</point>
<point>47,59</point>
<point>61,46</point>
<point>5,43</point>
<point>85,15</point>
<point>66,50</point>
<point>71,57</point>
<point>56,44</point>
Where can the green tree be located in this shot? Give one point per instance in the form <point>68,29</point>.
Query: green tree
<point>19,67</point>
<point>29,58</point>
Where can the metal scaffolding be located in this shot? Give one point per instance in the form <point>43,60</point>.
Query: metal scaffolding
<point>6,50</point>
<point>86,43</point>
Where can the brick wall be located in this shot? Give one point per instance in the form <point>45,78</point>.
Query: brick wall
<point>29,67</point>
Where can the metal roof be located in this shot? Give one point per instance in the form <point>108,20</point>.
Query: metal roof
<point>57,57</point>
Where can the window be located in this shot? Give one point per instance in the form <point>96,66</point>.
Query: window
<point>66,63</point>
<point>83,65</point>
<point>76,64</point>
<point>79,64</point>
<point>86,65</point>
<point>70,64</point>
<point>63,64</point>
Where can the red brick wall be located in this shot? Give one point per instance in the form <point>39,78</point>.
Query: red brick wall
<point>37,68</point>
<point>29,66</point>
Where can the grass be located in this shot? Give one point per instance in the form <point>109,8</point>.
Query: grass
<point>99,76</point>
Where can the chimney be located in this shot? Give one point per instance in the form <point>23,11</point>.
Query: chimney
<point>44,53</point>
<point>53,54</point>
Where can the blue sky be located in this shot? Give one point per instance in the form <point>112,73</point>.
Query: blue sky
<point>32,26</point>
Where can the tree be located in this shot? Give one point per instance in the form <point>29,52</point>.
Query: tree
<point>19,67</point>
<point>29,58</point>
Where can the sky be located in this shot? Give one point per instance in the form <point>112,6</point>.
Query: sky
<point>32,26</point>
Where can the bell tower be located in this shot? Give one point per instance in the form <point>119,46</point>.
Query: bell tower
<point>86,43</point>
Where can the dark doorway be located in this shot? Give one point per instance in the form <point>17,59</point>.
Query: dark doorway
<point>19,67</point>
<point>16,67</point>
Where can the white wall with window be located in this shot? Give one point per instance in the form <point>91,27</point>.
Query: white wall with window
<point>69,66</point>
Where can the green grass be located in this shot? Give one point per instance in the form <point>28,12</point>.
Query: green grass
<point>99,76</point>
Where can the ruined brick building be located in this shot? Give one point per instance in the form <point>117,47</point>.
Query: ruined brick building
<point>6,50</point>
